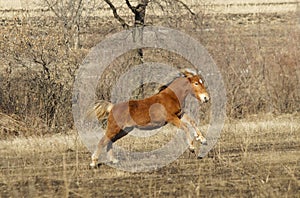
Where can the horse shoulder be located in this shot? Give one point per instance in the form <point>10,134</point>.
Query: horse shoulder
<point>170,103</point>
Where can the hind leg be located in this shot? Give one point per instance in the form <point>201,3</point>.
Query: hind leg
<point>113,133</point>
<point>102,143</point>
<point>110,155</point>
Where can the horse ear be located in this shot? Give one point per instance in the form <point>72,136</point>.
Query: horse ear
<point>188,73</point>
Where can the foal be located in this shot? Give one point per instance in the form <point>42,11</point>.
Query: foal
<point>155,111</point>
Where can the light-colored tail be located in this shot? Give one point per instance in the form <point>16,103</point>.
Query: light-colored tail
<point>100,110</point>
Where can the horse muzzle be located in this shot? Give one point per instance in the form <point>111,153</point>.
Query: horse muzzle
<point>204,98</point>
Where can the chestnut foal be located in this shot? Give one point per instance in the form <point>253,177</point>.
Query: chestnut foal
<point>164,107</point>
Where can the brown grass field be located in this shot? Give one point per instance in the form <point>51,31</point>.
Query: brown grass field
<point>257,155</point>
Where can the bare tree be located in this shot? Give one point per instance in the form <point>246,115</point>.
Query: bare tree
<point>139,13</point>
<point>139,10</point>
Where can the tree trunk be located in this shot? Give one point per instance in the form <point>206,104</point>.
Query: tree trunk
<point>139,12</point>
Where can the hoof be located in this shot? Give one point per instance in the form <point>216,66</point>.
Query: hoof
<point>114,161</point>
<point>204,142</point>
<point>192,149</point>
<point>201,138</point>
<point>199,157</point>
<point>93,165</point>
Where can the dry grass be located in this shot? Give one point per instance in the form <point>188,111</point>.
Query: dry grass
<point>255,157</point>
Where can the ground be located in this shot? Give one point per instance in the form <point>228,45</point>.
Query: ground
<point>255,157</point>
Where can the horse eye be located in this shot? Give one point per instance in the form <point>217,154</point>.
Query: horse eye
<point>196,83</point>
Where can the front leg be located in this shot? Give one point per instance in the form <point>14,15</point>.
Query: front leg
<point>198,134</point>
<point>179,124</point>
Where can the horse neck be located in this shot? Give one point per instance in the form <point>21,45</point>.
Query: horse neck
<point>181,88</point>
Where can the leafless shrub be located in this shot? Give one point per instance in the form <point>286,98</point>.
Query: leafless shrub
<point>259,66</point>
<point>39,72</point>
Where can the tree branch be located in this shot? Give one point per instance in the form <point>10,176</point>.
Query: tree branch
<point>51,7</point>
<point>159,4</point>
<point>133,9</point>
<point>185,6</point>
<point>116,15</point>
<point>77,13</point>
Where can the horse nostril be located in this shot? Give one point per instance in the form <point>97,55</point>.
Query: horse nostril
<point>206,99</point>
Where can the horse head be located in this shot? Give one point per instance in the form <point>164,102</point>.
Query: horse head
<point>197,88</point>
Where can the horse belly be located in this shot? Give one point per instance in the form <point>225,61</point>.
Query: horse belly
<point>148,115</point>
